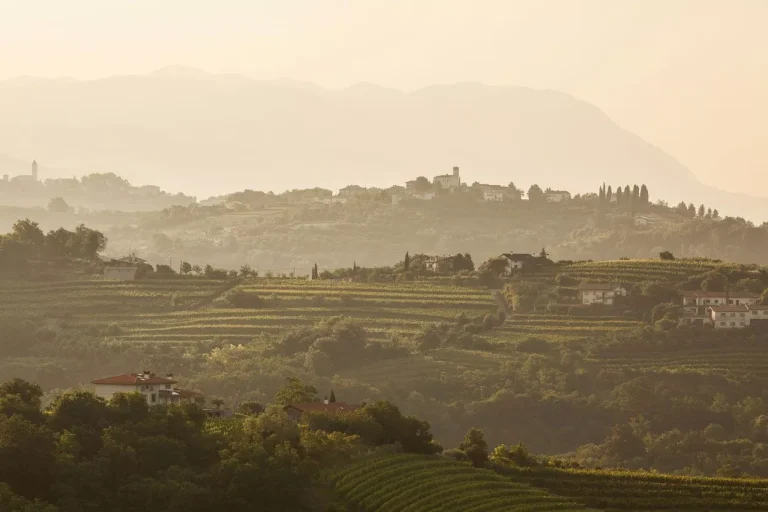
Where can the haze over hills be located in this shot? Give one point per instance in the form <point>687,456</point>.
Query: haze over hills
<point>186,130</point>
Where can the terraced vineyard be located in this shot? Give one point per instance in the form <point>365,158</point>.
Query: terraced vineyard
<point>559,328</point>
<point>737,361</point>
<point>107,297</point>
<point>412,483</point>
<point>618,490</point>
<point>184,310</point>
<point>633,271</point>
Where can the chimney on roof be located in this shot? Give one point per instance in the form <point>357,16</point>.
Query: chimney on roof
<point>325,401</point>
<point>169,375</point>
<point>146,374</point>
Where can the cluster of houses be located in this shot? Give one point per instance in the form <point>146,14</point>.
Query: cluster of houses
<point>449,182</point>
<point>163,391</point>
<point>723,310</point>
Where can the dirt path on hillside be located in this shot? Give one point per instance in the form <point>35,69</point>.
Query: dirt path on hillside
<point>209,301</point>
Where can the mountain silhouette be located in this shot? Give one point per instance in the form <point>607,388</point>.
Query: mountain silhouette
<point>187,130</point>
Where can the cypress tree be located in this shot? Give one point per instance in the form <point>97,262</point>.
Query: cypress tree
<point>407,262</point>
<point>332,398</point>
<point>644,198</point>
<point>609,194</point>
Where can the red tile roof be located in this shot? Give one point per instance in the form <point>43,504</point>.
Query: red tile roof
<point>321,407</point>
<point>132,379</point>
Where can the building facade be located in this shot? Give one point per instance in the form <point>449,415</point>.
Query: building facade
<point>448,181</point>
<point>557,196</point>
<point>120,273</point>
<point>156,390</point>
<point>600,293</point>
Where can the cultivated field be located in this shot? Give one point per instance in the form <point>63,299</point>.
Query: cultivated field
<point>413,483</point>
<point>633,271</point>
<point>620,490</point>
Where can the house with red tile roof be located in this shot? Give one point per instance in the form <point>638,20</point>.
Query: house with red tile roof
<point>157,390</point>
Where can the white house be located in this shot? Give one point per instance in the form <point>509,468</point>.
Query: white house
<point>600,293</point>
<point>737,317</point>
<point>448,181</point>
<point>424,196</point>
<point>120,273</point>
<point>156,390</point>
<point>439,263</point>
<point>557,196</point>
<point>517,261</point>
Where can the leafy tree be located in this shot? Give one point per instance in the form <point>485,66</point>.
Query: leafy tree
<point>26,457</point>
<point>623,443</point>
<point>77,408</point>
<point>422,184</point>
<point>27,231</point>
<point>186,267</point>
<point>197,269</point>
<point>250,408</point>
<point>702,211</point>
<point>666,255</point>
<point>475,447</point>
<point>89,242</point>
<point>246,271</point>
<point>535,194</point>
<point>58,205</point>
<point>691,210</point>
<point>715,214</point>
<point>294,391</point>
<point>162,269</point>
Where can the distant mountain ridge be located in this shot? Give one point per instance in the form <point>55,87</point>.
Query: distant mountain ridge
<point>206,134</point>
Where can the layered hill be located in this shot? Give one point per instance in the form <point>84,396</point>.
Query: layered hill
<point>181,128</point>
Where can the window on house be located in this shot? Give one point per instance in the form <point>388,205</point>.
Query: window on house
<point>706,301</point>
<point>167,386</point>
<point>154,398</point>
<point>741,315</point>
<point>730,302</point>
<point>733,324</point>
<point>722,323</point>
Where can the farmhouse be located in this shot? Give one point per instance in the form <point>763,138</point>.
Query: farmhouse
<point>448,181</point>
<point>517,261</point>
<point>737,317</point>
<point>120,273</point>
<point>556,196</point>
<point>439,263</point>
<point>600,293</point>
<point>296,411</point>
<point>156,390</point>
<point>698,306</point>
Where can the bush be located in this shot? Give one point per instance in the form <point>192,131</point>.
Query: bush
<point>241,299</point>
<point>533,346</point>
<point>666,255</point>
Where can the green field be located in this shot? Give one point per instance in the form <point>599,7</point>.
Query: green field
<point>414,483</point>
<point>621,490</point>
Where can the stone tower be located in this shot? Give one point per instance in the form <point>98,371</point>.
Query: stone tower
<point>34,170</point>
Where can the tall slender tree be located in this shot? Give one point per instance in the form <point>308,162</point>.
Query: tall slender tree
<point>619,198</point>
<point>407,262</point>
<point>609,194</point>
<point>601,195</point>
<point>644,198</point>
<point>702,211</point>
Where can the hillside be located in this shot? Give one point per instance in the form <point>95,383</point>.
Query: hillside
<point>179,130</point>
<point>419,483</point>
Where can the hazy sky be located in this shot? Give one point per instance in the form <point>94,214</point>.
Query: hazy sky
<point>688,75</point>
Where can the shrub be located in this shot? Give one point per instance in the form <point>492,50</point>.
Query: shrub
<point>241,299</point>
